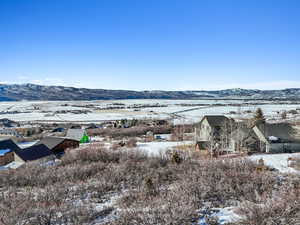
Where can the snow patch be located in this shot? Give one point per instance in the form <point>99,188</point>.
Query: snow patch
<point>157,148</point>
<point>277,161</point>
<point>224,215</point>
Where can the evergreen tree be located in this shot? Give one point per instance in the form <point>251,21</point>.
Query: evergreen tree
<point>259,116</point>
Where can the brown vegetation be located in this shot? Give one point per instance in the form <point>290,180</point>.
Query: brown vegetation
<point>150,190</point>
<point>130,132</point>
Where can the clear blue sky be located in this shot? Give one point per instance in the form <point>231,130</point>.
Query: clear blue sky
<point>151,44</point>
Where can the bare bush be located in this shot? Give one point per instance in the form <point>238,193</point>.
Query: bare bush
<point>131,132</point>
<point>157,190</point>
<point>131,143</point>
<point>284,209</point>
<point>50,206</point>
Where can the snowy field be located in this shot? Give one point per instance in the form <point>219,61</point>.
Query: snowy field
<point>157,148</point>
<point>179,111</point>
<point>277,161</point>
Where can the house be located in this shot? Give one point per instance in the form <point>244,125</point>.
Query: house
<point>12,153</point>
<point>221,134</point>
<point>266,137</point>
<point>244,139</point>
<point>33,153</point>
<point>58,144</point>
<point>78,135</point>
<point>278,137</point>
<point>211,130</point>
<point>210,126</point>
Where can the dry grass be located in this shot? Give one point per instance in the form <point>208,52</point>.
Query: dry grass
<point>155,190</point>
<point>130,132</point>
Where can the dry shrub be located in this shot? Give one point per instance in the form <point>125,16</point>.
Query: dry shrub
<point>177,133</point>
<point>91,154</point>
<point>131,143</point>
<point>115,146</point>
<point>157,191</point>
<point>130,132</point>
<point>176,158</point>
<point>283,209</point>
<point>222,182</point>
<point>193,184</point>
<point>172,209</point>
<point>51,206</point>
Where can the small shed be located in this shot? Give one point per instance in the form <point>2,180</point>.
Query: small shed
<point>78,135</point>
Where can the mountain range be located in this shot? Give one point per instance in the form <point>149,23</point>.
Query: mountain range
<point>18,92</point>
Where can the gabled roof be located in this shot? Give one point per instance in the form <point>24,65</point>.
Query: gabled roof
<point>9,144</point>
<point>283,131</point>
<point>51,142</point>
<point>75,134</point>
<point>242,133</point>
<point>218,120</point>
<point>34,152</point>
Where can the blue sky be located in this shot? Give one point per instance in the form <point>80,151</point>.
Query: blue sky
<point>151,44</point>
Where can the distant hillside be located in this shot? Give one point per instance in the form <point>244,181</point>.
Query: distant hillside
<point>16,92</point>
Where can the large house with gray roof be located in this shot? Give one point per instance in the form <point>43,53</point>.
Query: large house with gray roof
<point>229,136</point>
<point>211,129</point>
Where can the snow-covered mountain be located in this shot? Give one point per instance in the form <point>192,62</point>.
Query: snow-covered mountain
<point>16,92</point>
